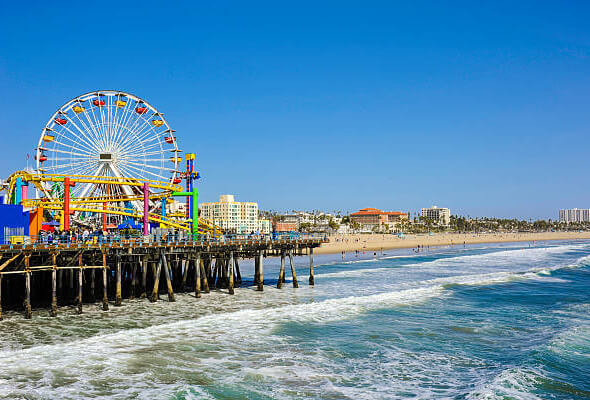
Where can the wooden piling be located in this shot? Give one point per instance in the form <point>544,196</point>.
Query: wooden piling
<point>184,270</point>
<point>80,282</point>
<point>311,277</point>
<point>293,273</point>
<point>144,268</point>
<point>230,267</point>
<point>260,280</point>
<point>215,268</point>
<point>154,296</point>
<point>238,274</point>
<point>105,297</point>
<point>133,280</point>
<point>54,285</point>
<point>256,269</point>
<point>197,262</point>
<point>118,296</point>
<point>281,271</point>
<point>27,304</point>
<point>167,275</point>
<point>204,280</point>
<point>92,286</point>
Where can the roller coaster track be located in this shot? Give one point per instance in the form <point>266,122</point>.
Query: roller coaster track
<point>109,203</point>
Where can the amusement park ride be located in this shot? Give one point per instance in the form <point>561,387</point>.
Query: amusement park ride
<point>108,153</point>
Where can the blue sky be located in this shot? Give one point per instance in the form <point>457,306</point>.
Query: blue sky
<point>332,106</point>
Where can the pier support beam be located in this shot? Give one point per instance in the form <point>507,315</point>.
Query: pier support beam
<point>118,297</point>
<point>28,312</point>
<point>105,297</point>
<point>281,271</point>
<point>154,296</point>
<point>215,268</point>
<point>293,273</point>
<point>92,286</point>
<point>54,286</point>
<point>197,263</point>
<point>260,279</point>
<point>184,270</point>
<point>311,277</point>
<point>167,275</point>
<point>80,282</point>
<point>133,279</point>
<point>238,273</point>
<point>144,268</point>
<point>205,282</point>
<point>230,268</point>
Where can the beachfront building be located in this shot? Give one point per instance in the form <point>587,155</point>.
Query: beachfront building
<point>574,215</point>
<point>441,216</point>
<point>316,221</point>
<point>371,219</point>
<point>234,216</point>
<point>282,226</point>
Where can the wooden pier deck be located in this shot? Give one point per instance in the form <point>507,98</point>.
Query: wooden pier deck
<point>52,275</point>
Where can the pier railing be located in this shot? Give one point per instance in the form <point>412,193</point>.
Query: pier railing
<point>126,240</point>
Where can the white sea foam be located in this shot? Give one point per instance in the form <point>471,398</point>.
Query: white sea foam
<point>512,383</point>
<point>504,257</point>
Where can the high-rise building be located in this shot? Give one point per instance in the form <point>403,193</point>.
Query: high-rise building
<point>234,216</point>
<point>574,215</point>
<point>439,215</point>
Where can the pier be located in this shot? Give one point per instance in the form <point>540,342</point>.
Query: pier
<point>42,275</point>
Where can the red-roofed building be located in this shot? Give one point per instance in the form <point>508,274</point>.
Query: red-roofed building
<point>369,218</point>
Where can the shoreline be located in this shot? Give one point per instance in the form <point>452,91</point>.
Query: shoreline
<point>377,242</point>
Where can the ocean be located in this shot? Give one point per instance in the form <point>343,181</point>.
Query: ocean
<point>496,321</point>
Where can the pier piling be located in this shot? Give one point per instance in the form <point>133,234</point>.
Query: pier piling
<point>27,304</point>
<point>260,278</point>
<point>54,285</point>
<point>281,271</point>
<point>230,268</point>
<point>154,296</point>
<point>105,297</point>
<point>167,275</point>
<point>293,273</point>
<point>197,263</point>
<point>204,280</point>
<point>311,276</point>
<point>118,294</point>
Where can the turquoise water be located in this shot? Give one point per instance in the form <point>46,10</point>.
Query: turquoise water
<point>481,322</point>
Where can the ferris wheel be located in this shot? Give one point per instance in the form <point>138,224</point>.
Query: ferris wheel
<point>108,133</point>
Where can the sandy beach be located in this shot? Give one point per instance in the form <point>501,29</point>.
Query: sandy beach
<point>375,242</point>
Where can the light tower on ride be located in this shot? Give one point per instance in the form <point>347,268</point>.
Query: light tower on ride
<point>190,175</point>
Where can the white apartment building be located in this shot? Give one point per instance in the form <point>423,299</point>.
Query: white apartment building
<point>239,217</point>
<point>437,214</point>
<point>574,215</point>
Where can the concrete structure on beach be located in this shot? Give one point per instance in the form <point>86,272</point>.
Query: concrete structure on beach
<point>441,216</point>
<point>574,215</point>
<point>235,216</point>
